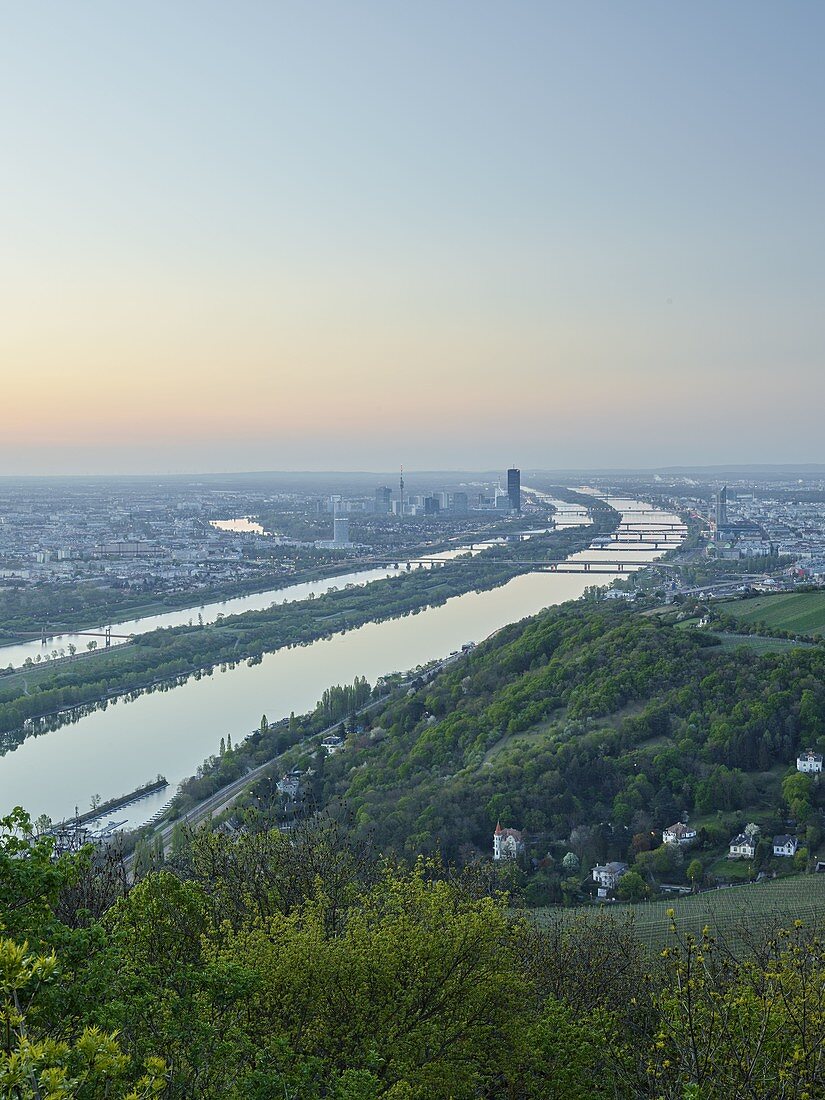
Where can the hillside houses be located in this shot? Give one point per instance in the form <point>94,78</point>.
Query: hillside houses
<point>784,845</point>
<point>679,834</point>
<point>507,843</point>
<point>809,762</point>
<point>743,846</point>
<point>332,743</point>
<point>607,875</point>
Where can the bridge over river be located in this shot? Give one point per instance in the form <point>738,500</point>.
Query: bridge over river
<point>171,731</point>
<point>568,565</point>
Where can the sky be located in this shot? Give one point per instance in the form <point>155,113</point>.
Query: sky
<point>272,236</point>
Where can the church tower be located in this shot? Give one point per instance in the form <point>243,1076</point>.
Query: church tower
<point>497,838</point>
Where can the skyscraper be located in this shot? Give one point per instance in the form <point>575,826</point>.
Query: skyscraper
<point>722,508</point>
<point>340,529</point>
<point>383,500</point>
<point>514,489</point>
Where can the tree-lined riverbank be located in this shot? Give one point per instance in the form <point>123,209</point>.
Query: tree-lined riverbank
<point>27,696</point>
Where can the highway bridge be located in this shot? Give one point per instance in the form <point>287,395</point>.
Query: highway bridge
<point>568,565</point>
<point>671,525</point>
<point>47,633</point>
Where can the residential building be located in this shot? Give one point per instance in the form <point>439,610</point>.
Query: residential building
<point>784,845</point>
<point>340,537</point>
<point>332,743</point>
<point>289,785</point>
<point>507,843</point>
<point>129,548</point>
<point>743,846</point>
<point>607,875</point>
<point>678,834</point>
<point>809,762</point>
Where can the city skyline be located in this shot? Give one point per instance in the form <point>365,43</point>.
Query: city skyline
<point>283,239</point>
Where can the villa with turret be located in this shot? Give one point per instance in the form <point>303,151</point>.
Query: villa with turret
<point>507,843</point>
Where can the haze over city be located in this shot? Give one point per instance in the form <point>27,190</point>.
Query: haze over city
<point>257,237</point>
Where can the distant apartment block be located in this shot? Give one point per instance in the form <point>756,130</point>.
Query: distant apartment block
<point>129,548</point>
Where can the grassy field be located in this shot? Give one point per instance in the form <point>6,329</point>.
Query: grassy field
<point>736,915</point>
<point>757,643</point>
<point>513,743</point>
<point>731,870</point>
<point>801,612</point>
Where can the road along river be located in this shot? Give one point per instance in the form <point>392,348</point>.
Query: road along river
<point>110,751</point>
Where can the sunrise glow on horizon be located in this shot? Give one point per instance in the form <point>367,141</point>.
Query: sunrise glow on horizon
<point>343,236</point>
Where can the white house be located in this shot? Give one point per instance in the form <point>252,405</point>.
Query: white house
<point>289,785</point>
<point>332,743</point>
<point>743,846</point>
<point>607,875</point>
<point>809,762</point>
<point>784,845</point>
<point>507,843</point>
<point>678,834</point>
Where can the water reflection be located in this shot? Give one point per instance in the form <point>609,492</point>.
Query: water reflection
<point>110,751</point>
<point>242,525</point>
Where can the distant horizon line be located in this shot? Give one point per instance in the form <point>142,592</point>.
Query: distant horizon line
<point>566,471</point>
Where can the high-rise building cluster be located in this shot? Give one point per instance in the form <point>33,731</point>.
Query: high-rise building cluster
<point>400,502</point>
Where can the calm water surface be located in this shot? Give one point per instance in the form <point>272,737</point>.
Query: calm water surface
<point>111,751</point>
<point>241,525</point>
<point>17,654</point>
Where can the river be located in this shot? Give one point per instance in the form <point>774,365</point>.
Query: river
<point>18,653</point>
<point>111,751</point>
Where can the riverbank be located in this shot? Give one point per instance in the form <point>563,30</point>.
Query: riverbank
<point>71,646</point>
<point>128,608</point>
<point>257,755</point>
<point>33,695</point>
<point>173,730</point>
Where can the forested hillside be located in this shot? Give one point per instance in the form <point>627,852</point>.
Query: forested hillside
<point>259,966</point>
<point>340,957</point>
<point>587,715</point>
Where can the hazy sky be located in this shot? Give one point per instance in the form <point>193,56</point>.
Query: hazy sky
<point>268,236</point>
